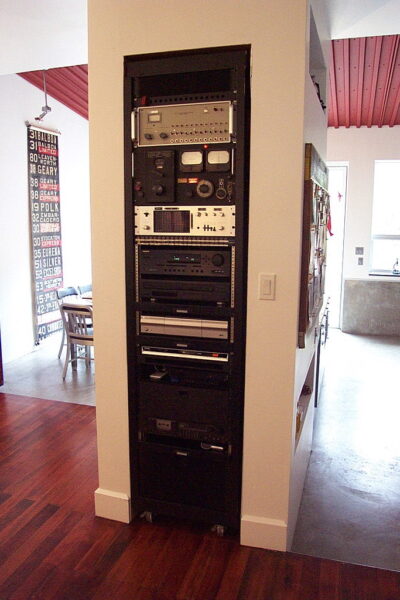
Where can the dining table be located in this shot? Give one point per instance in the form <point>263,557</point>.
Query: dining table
<point>87,296</point>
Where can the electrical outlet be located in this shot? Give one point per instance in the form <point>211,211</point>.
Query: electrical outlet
<point>360,260</point>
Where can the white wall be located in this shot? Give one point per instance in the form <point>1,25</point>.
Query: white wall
<point>277,31</point>
<point>360,18</point>
<point>315,123</point>
<point>20,102</point>
<point>360,148</point>
<point>42,34</point>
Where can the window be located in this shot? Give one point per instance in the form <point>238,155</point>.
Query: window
<point>386,217</point>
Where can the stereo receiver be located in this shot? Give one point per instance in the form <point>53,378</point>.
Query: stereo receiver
<point>179,275</point>
<point>194,262</point>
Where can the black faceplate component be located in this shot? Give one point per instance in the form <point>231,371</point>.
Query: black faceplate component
<point>154,180</point>
<point>186,394</point>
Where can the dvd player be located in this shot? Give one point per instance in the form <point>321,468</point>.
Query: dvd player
<point>185,353</point>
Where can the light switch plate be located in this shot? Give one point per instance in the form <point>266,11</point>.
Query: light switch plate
<point>266,286</point>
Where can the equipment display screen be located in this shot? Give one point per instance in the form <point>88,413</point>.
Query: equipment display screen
<point>192,158</point>
<point>185,258</point>
<point>218,157</point>
<point>171,221</point>
<point>154,118</point>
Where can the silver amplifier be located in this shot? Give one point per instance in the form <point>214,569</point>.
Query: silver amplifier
<point>209,221</point>
<point>176,124</point>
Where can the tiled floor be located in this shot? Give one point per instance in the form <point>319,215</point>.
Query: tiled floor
<point>351,504</point>
<point>39,374</point>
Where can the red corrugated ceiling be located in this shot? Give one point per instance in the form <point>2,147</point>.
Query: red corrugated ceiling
<point>365,82</point>
<point>68,85</point>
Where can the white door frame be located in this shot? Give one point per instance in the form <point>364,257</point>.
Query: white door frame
<point>334,279</point>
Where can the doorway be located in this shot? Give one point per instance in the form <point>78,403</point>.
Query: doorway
<point>334,270</point>
<point>22,373</point>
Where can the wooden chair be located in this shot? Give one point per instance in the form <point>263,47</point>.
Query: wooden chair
<point>62,295</point>
<point>78,324</point>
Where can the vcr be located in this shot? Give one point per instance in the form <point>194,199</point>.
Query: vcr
<point>175,291</point>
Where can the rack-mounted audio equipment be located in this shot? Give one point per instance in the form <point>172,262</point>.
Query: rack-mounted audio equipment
<point>186,163</point>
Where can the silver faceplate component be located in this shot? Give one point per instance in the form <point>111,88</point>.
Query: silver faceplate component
<point>186,354</point>
<point>179,124</point>
<point>205,221</point>
<point>183,326</point>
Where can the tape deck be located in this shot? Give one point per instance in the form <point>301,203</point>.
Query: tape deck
<point>202,221</point>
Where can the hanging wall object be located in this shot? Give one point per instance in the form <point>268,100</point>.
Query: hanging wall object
<point>46,243</point>
<point>313,259</point>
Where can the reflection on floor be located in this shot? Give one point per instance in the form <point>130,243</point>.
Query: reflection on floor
<point>351,504</point>
<point>39,374</point>
<point>52,547</point>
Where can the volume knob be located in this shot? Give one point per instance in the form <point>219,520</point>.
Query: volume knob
<point>158,189</point>
<point>205,188</point>
<point>221,193</point>
<point>217,260</point>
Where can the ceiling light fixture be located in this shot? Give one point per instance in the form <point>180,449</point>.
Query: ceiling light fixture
<point>46,108</point>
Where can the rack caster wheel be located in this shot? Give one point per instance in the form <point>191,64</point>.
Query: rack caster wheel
<point>147,515</point>
<point>219,530</point>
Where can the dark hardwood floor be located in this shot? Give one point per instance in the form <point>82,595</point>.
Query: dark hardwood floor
<point>52,547</point>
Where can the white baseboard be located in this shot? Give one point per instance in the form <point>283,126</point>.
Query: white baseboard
<point>260,532</point>
<point>112,505</point>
